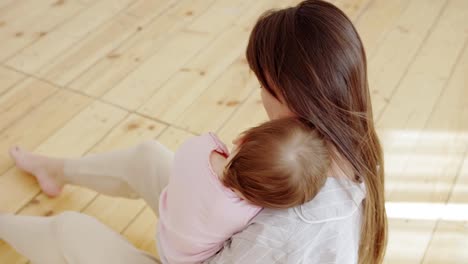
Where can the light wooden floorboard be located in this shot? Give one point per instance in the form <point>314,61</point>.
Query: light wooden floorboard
<point>126,58</point>
<point>9,79</point>
<point>82,76</point>
<point>392,59</point>
<point>27,22</point>
<point>40,123</point>
<point>40,53</point>
<point>100,42</point>
<point>444,179</point>
<point>449,241</point>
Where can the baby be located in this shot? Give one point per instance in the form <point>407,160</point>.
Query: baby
<point>212,194</point>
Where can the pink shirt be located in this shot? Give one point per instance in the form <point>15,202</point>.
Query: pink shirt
<point>197,213</point>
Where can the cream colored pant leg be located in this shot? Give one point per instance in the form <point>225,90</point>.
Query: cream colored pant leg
<point>141,171</point>
<point>73,238</point>
<point>68,238</point>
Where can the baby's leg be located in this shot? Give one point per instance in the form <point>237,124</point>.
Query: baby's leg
<point>32,237</point>
<point>140,171</point>
<point>69,238</point>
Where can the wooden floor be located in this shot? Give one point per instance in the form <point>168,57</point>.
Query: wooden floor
<point>84,76</point>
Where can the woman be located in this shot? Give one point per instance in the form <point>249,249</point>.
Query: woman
<point>311,63</point>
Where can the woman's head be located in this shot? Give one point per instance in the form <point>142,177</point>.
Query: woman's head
<point>279,164</point>
<point>310,59</point>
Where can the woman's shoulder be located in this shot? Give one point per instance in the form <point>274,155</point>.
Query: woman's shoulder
<point>328,226</point>
<point>338,201</point>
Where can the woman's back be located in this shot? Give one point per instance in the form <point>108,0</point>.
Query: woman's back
<point>324,230</point>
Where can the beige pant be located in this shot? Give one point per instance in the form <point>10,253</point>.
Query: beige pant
<point>140,171</point>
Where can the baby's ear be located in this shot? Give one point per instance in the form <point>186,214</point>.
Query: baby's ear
<point>238,140</point>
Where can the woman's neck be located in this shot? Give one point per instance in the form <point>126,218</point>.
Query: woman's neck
<point>340,166</point>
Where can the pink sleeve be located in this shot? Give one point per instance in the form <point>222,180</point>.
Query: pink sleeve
<point>220,146</point>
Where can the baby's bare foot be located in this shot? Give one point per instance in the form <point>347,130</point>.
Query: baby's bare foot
<point>48,171</point>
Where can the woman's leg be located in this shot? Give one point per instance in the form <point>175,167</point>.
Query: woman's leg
<point>140,171</point>
<point>68,238</point>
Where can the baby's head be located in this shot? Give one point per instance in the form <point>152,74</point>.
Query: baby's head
<point>279,164</point>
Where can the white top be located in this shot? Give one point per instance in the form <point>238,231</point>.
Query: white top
<point>324,230</point>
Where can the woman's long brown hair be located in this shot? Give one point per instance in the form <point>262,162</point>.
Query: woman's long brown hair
<point>311,57</point>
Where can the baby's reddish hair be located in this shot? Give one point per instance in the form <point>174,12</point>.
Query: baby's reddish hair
<point>279,164</point>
